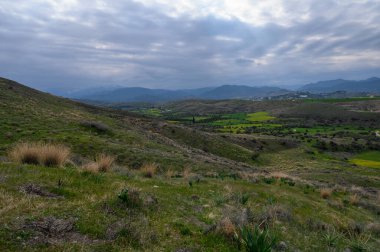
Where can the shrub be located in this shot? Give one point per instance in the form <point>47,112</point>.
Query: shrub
<point>149,170</point>
<point>325,192</point>
<point>40,153</point>
<point>256,240</point>
<point>98,126</point>
<point>104,162</point>
<point>130,197</point>
<point>269,180</point>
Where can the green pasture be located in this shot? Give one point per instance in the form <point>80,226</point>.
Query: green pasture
<point>368,159</point>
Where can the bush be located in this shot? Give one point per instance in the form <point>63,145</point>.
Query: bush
<point>256,240</point>
<point>98,126</point>
<point>149,170</point>
<point>40,153</point>
<point>130,197</point>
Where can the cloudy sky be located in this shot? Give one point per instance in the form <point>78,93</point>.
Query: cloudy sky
<point>66,45</point>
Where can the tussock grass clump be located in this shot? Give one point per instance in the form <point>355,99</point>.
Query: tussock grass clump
<point>186,172</point>
<point>54,155</point>
<point>325,193</point>
<point>170,174</point>
<point>25,153</point>
<point>91,168</point>
<point>149,170</point>
<point>354,199</point>
<point>226,227</point>
<point>104,162</point>
<point>40,153</point>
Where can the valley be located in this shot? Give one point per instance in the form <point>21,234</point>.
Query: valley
<point>190,175</point>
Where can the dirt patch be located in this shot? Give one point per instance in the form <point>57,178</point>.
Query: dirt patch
<point>37,190</point>
<point>51,230</point>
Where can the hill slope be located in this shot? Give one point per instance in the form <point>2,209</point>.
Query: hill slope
<point>206,188</point>
<point>39,116</point>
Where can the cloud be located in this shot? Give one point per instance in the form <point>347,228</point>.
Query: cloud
<point>71,44</point>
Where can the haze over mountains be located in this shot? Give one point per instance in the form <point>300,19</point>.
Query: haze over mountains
<point>139,94</point>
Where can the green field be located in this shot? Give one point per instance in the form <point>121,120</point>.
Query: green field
<point>368,159</point>
<point>259,117</point>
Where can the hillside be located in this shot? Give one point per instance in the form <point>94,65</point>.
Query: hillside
<point>186,186</point>
<point>40,116</point>
<point>371,85</point>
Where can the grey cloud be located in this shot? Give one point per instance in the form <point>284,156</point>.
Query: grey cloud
<point>135,45</point>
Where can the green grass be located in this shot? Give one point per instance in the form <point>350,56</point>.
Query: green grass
<point>226,177</point>
<point>259,117</point>
<point>367,159</point>
<point>174,222</point>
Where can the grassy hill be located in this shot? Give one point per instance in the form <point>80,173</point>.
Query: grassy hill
<point>205,187</point>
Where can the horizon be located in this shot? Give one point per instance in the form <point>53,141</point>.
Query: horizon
<point>187,44</point>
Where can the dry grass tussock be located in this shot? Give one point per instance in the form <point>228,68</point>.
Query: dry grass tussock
<point>326,192</point>
<point>186,172</point>
<point>46,154</point>
<point>226,227</point>
<point>103,163</point>
<point>354,199</point>
<point>149,170</point>
<point>170,173</point>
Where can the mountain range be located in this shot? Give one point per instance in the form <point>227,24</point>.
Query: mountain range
<point>139,94</point>
<point>371,85</point>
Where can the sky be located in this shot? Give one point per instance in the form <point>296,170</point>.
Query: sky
<point>68,45</point>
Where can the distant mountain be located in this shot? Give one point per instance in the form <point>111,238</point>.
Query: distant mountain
<point>371,85</point>
<point>137,94</point>
<point>243,92</point>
